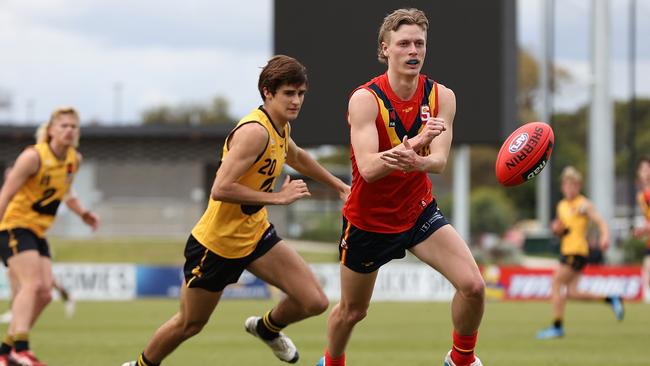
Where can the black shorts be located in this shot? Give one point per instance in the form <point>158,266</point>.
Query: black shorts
<point>14,241</point>
<point>364,251</point>
<point>576,262</point>
<point>210,271</point>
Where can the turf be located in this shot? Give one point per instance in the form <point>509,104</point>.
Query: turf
<point>148,250</point>
<point>109,333</point>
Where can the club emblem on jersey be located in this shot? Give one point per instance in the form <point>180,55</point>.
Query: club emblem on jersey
<point>425,112</point>
<point>392,117</point>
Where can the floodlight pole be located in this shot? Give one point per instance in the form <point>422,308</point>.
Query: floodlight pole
<point>601,122</point>
<point>543,181</point>
<point>461,191</point>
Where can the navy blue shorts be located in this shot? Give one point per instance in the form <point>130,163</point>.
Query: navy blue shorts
<point>210,271</point>
<point>14,241</point>
<point>364,251</point>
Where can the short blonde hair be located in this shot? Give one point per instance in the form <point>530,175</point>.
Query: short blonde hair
<point>571,173</point>
<point>41,133</point>
<point>396,19</point>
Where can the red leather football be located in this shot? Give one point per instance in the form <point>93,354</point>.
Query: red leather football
<point>524,153</point>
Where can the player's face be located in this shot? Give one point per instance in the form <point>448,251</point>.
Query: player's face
<point>644,173</point>
<point>286,102</point>
<point>64,130</point>
<point>406,49</point>
<point>570,188</point>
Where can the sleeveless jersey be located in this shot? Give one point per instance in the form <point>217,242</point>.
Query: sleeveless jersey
<point>393,203</point>
<point>643,198</point>
<point>571,214</point>
<point>232,230</point>
<point>36,202</point>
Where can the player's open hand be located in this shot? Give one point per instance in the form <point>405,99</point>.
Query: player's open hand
<point>293,190</point>
<point>434,127</point>
<point>91,219</point>
<point>344,192</point>
<point>404,158</point>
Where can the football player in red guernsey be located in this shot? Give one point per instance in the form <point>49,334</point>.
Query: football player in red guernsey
<point>401,130</point>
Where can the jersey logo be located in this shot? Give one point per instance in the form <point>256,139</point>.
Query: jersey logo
<point>406,110</point>
<point>425,113</point>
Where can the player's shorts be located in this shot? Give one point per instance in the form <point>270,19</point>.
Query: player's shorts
<point>14,241</point>
<point>364,251</point>
<point>576,262</point>
<point>210,271</point>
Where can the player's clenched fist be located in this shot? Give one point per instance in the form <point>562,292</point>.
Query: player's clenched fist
<point>293,190</point>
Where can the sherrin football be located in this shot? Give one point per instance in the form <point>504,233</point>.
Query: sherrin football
<point>524,153</point>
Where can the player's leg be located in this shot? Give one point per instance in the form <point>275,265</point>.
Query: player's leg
<point>69,305</point>
<point>34,274</point>
<point>356,292</point>
<point>196,306</point>
<point>282,267</point>
<point>446,251</point>
<point>573,293</point>
<point>285,269</point>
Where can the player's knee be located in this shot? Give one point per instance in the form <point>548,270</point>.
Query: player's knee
<point>353,315</point>
<point>473,289</point>
<point>317,305</point>
<point>44,294</point>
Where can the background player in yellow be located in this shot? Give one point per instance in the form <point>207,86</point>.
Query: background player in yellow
<point>574,213</point>
<point>234,232</point>
<point>39,180</point>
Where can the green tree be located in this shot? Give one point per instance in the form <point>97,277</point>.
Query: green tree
<point>216,112</point>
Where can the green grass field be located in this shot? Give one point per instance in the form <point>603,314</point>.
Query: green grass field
<point>109,333</point>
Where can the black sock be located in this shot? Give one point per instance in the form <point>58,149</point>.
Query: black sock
<point>267,328</point>
<point>557,323</point>
<point>21,342</point>
<point>5,348</point>
<point>142,361</point>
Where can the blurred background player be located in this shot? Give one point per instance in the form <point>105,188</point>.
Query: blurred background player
<point>234,232</point>
<point>573,214</point>
<point>643,198</point>
<point>39,180</point>
<point>68,301</point>
<point>401,130</point>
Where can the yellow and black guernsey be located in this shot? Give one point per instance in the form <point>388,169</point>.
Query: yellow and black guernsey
<point>232,230</point>
<point>36,202</point>
<point>572,214</point>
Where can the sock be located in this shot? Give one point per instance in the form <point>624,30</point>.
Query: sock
<point>142,361</point>
<point>462,352</point>
<point>21,342</point>
<point>557,323</point>
<point>339,361</point>
<point>7,345</point>
<point>267,328</point>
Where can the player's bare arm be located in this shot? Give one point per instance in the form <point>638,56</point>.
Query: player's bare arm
<point>246,144</point>
<point>300,160</point>
<point>593,215</point>
<point>362,111</point>
<point>438,132</point>
<point>26,165</point>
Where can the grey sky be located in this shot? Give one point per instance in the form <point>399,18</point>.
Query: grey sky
<point>74,52</point>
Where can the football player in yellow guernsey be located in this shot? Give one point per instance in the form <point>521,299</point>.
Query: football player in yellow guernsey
<point>643,198</point>
<point>234,232</point>
<point>574,212</point>
<point>39,180</point>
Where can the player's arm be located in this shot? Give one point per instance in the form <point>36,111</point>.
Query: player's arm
<point>301,161</point>
<point>25,166</point>
<point>362,111</point>
<point>437,133</point>
<point>74,204</point>
<point>593,215</point>
<point>245,146</point>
